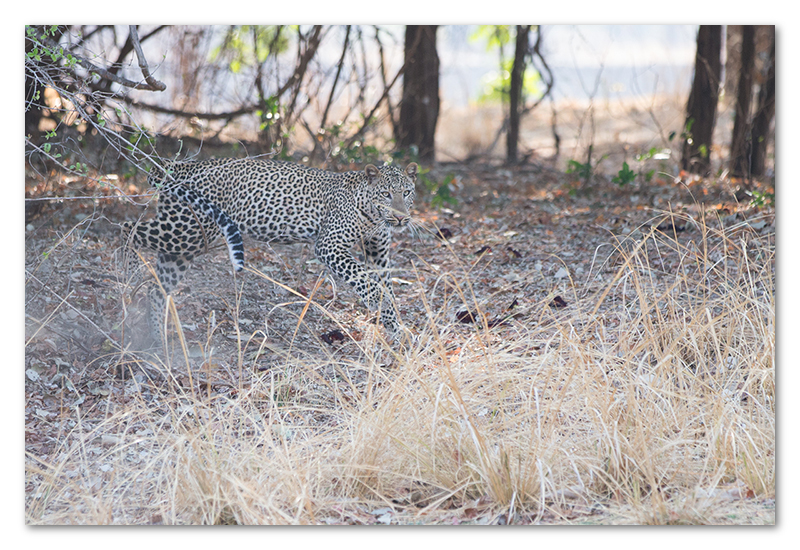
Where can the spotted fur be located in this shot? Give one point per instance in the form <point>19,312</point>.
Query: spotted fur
<point>278,202</point>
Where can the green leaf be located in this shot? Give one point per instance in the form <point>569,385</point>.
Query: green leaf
<point>624,176</point>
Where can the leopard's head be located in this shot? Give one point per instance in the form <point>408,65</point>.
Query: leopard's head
<point>393,191</point>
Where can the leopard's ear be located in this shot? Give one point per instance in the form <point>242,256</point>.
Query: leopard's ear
<point>411,171</point>
<point>373,174</point>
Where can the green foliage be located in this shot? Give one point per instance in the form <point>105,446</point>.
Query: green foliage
<point>441,193</point>
<point>39,49</point>
<point>624,176</point>
<point>270,114</point>
<point>80,167</point>
<point>356,153</point>
<point>47,147</point>
<point>687,136</point>
<point>141,138</point>
<point>496,84</point>
<point>761,199</point>
<point>248,45</point>
<point>583,171</point>
<point>628,175</point>
<point>496,36</point>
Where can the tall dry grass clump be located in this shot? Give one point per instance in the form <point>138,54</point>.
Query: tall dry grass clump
<point>651,395</point>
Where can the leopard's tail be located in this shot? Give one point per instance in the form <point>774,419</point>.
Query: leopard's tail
<point>228,227</point>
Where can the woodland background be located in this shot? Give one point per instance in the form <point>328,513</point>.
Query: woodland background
<point>592,278</point>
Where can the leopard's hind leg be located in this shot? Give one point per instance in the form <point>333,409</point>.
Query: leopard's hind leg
<point>170,270</point>
<point>177,234</point>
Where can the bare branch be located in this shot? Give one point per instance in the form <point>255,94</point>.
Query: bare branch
<point>246,110</point>
<point>101,72</point>
<point>385,94</point>
<point>154,84</point>
<point>128,47</point>
<point>336,78</point>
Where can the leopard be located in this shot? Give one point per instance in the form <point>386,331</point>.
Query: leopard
<point>282,202</point>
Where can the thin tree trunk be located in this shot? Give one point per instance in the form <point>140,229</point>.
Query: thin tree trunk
<point>515,96</point>
<point>701,110</point>
<point>740,156</point>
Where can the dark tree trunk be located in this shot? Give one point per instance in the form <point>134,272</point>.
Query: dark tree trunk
<point>701,111</point>
<point>419,110</point>
<point>764,115</point>
<point>515,98</point>
<point>740,157</point>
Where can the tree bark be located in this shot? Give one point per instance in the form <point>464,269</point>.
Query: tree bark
<point>740,157</point>
<point>419,110</point>
<point>515,95</point>
<point>764,115</point>
<point>701,110</point>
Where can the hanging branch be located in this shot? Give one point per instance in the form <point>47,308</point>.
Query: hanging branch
<point>128,46</point>
<point>154,84</point>
<point>537,53</point>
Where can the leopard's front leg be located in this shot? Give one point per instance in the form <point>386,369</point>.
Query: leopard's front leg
<point>373,287</point>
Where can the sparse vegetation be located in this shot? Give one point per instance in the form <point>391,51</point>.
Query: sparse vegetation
<point>645,395</point>
<point>592,341</point>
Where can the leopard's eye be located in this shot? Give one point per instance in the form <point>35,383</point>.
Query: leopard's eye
<point>407,192</point>
<point>387,194</point>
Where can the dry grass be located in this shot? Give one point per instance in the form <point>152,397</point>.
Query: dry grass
<point>651,401</point>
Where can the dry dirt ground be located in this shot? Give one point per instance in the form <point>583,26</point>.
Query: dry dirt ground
<point>534,242</point>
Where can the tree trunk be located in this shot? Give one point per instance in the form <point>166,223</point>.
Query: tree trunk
<point>419,110</point>
<point>515,96</point>
<point>740,156</point>
<point>764,115</point>
<point>701,110</point>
